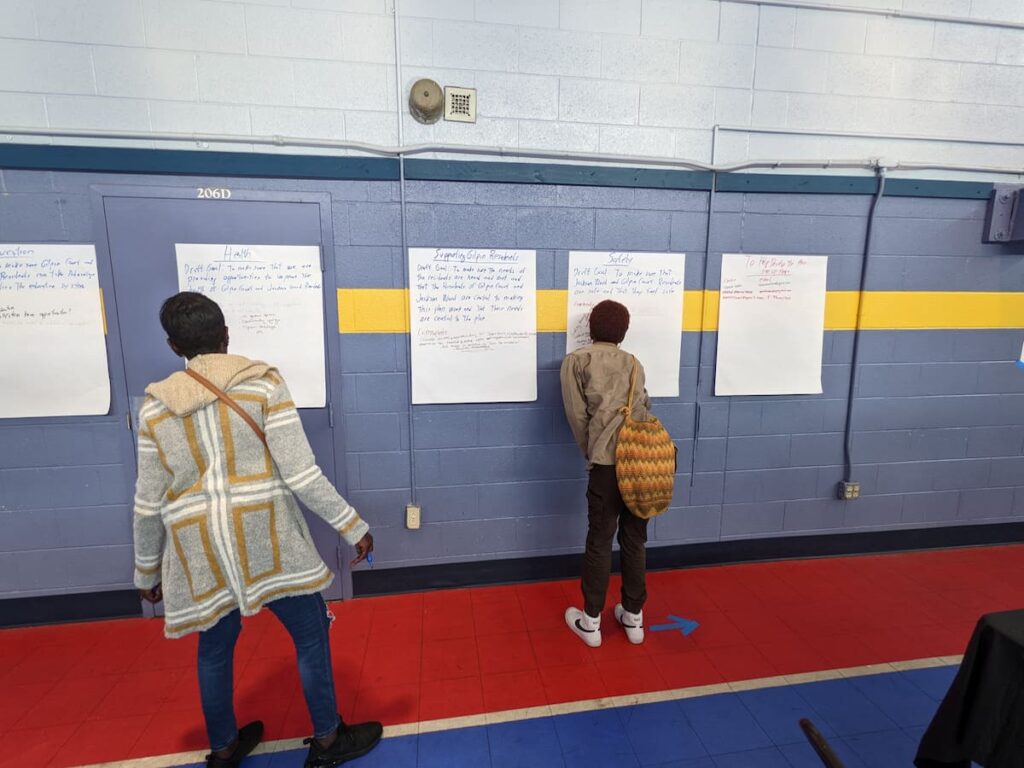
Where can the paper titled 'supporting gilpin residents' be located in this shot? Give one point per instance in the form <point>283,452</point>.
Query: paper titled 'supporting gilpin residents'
<point>473,325</point>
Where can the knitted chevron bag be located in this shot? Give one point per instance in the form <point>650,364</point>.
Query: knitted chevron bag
<point>645,461</point>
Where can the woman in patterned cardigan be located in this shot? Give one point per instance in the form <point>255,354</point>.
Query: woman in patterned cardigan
<point>219,535</point>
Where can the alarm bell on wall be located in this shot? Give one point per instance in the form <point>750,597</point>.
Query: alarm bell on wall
<point>426,101</point>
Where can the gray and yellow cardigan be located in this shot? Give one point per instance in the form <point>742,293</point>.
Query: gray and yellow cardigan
<point>215,518</point>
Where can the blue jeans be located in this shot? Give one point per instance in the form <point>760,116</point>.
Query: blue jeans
<point>305,618</point>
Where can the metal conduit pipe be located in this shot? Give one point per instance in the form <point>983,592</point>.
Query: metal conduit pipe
<point>887,12</point>
<point>411,424</point>
<point>703,314</point>
<point>867,135</point>
<point>852,393</point>
<point>505,152</point>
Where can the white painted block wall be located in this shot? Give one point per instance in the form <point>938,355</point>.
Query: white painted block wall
<point>644,77</point>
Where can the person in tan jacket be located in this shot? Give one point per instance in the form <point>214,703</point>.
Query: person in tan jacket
<point>595,388</point>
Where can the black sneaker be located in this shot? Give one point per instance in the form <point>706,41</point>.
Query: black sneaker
<point>248,738</point>
<point>353,741</point>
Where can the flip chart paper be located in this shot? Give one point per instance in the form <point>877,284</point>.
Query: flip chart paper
<point>650,285</point>
<point>51,332</point>
<point>771,325</point>
<point>473,325</point>
<point>272,299</point>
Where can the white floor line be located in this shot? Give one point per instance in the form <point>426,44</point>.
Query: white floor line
<point>572,707</point>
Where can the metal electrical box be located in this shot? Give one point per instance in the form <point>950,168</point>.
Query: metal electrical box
<point>1004,221</point>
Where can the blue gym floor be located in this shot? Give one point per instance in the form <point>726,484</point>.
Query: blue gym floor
<point>873,721</point>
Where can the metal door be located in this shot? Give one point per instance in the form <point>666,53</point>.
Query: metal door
<point>142,227</point>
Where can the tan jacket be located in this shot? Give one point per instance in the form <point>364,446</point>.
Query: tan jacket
<point>595,385</point>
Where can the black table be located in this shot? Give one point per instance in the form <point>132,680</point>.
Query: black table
<point>982,716</point>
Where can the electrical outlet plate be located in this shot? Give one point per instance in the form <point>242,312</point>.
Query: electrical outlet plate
<point>849,491</point>
<point>460,104</point>
<point>412,517</point>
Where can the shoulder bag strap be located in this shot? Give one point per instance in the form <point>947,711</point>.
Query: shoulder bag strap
<point>627,410</point>
<point>230,403</point>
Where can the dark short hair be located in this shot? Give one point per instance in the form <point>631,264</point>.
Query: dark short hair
<point>193,323</point>
<point>609,322</point>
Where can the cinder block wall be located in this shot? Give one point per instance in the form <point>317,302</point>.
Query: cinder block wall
<point>939,418</point>
<point>648,77</point>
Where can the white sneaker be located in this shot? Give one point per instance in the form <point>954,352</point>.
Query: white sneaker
<point>633,623</point>
<point>587,628</point>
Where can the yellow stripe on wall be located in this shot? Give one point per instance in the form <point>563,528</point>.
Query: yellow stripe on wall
<point>373,310</point>
<point>906,310</point>
<point>552,307</point>
<point>103,311</point>
<point>385,310</point>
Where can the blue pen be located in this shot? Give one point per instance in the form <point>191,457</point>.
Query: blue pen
<point>369,558</point>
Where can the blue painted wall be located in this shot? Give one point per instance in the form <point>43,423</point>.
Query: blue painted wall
<point>940,419</point>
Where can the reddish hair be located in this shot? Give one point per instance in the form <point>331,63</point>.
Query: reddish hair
<point>609,322</point>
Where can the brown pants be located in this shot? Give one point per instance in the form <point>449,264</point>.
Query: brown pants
<point>606,511</point>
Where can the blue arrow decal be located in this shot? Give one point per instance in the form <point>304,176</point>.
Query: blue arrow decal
<point>686,626</point>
